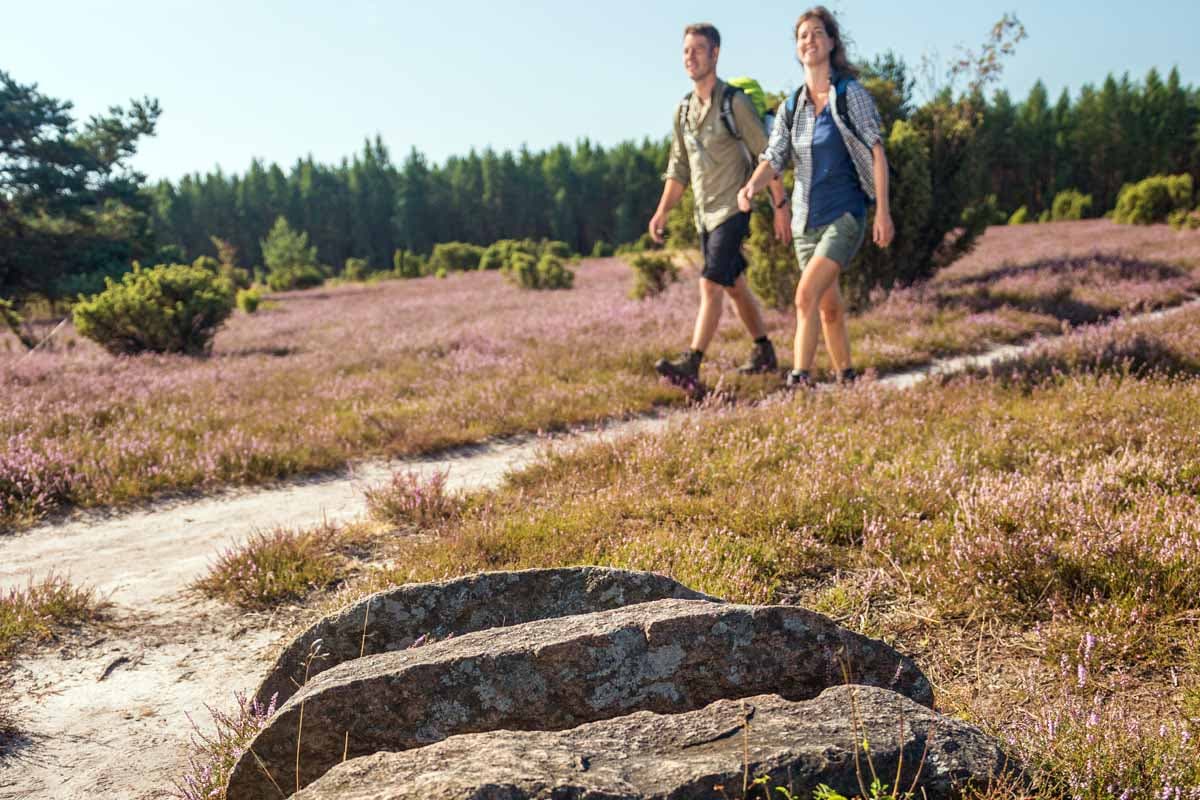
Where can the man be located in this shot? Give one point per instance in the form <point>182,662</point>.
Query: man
<point>706,154</point>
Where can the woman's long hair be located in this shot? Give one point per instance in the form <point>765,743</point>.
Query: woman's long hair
<point>837,59</point>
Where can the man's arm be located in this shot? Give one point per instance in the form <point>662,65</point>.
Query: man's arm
<point>677,177</point>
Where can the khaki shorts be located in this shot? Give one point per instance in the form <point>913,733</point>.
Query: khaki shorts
<point>839,241</point>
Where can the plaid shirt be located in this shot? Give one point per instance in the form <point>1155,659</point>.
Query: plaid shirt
<point>787,144</point>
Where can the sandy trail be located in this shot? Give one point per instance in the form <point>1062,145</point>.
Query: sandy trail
<point>106,716</point>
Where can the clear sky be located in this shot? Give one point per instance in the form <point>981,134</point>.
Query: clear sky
<point>278,79</point>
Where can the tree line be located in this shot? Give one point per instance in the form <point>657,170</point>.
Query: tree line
<point>72,211</point>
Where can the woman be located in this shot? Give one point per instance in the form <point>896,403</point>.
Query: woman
<point>840,167</point>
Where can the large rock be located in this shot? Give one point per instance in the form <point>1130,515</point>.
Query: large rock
<point>666,656</point>
<point>397,617</point>
<point>797,745</point>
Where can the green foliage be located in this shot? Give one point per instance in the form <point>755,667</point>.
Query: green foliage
<point>500,254</point>
<point>406,264</point>
<point>69,204</point>
<point>356,269</point>
<point>455,257</point>
<point>1044,216</point>
<point>601,249</point>
<point>1181,219</point>
<point>681,223</point>
<point>291,262</point>
<point>227,260</point>
<point>248,300</point>
<point>772,271</point>
<point>1070,205</point>
<point>167,309</point>
<point>546,272</point>
<point>1020,216</point>
<point>42,610</point>
<point>921,226</point>
<point>652,273</point>
<point>1153,199</point>
<point>14,321</point>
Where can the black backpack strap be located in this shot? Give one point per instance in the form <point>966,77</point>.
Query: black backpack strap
<point>683,111</point>
<point>793,107</point>
<point>727,111</point>
<point>843,108</point>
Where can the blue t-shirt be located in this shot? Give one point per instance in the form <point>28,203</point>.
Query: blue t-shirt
<point>835,188</point>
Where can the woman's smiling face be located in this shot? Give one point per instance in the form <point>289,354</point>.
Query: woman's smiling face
<point>813,44</point>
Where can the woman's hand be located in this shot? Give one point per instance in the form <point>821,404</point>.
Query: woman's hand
<point>884,230</point>
<point>783,223</point>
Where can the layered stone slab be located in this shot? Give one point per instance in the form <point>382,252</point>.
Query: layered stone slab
<point>701,754</point>
<point>667,656</point>
<point>394,619</point>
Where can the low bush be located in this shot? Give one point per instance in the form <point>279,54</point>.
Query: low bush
<point>356,269</point>
<point>602,249</point>
<point>1020,216</point>
<point>174,308</point>
<point>274,566</point>
<point>42,610</point>
<point>652,273</point>
<point>248,300</point>
<point>291,261</point>
<point>772,271</point>
<point>407,264</point>
<point>290,279</point>
<point>1070,205</point>
<point>409,499</point>
<point>499,255</point>
<point>547,272</point>
<point>1181,219</point>
<point>455,256</point>
<point>1153,199</point>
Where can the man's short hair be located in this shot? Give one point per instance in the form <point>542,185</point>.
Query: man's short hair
<point>707,30</point>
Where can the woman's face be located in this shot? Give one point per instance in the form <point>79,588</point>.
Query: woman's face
<point>813,44</point>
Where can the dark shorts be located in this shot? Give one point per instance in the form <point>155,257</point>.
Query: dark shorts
<point>722,248</point>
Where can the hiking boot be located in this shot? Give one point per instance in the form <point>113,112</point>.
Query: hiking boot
<point>848,375</point>
<point>683,371</point>
<point>799,379</point>
<point>762,359</point>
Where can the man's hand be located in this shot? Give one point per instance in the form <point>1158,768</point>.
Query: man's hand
<point>658,226</point>
<point>884,230</point>
<point>745,198</point>
<point>783,223</point>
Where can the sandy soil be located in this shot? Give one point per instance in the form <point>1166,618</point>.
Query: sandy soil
<point>105,715</point>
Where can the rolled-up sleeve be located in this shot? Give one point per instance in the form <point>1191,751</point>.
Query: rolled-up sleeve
<point>779,146</point>
<point>678,166</point>
<point>864,114</point>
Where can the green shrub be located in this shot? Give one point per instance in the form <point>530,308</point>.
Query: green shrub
<point>1153,199</point>
<point>440,272</point>
<point>652,273</point>
<point>681,224</point>
<point>547,272</point>
<point>286,280</point>
<point>1070,205</point>
<point>601,249</point>
<point>499,254</point>
<point>639,245</point>
<point>455,256</point>
<point>248,300</point>
<point>356,269</point>
<point>406,264</point>
<point>1044,216</point>
<point>173,308</point>
<point>291,262</point>
<point>772,271</point>
<point>1181,219</point>
<point>1020,216</point>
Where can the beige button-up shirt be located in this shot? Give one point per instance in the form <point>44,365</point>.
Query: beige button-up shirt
<point>705,155</point>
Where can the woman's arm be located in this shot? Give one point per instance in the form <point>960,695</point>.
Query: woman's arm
<point>884,230</point>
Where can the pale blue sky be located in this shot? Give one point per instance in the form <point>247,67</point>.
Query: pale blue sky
<point>279,80</point>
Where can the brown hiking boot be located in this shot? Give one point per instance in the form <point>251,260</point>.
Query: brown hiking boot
<point>762,359</point>
<point>683,371</point>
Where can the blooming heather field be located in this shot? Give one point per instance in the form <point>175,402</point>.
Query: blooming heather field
<point>1030,537</point>
<point>326,376</point>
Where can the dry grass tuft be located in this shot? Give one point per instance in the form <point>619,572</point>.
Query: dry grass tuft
<point>43,610</point>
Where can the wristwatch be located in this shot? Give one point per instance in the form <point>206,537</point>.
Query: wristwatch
<point>782,202</point>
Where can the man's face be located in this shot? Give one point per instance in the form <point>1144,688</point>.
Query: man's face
<point>699,60</point>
